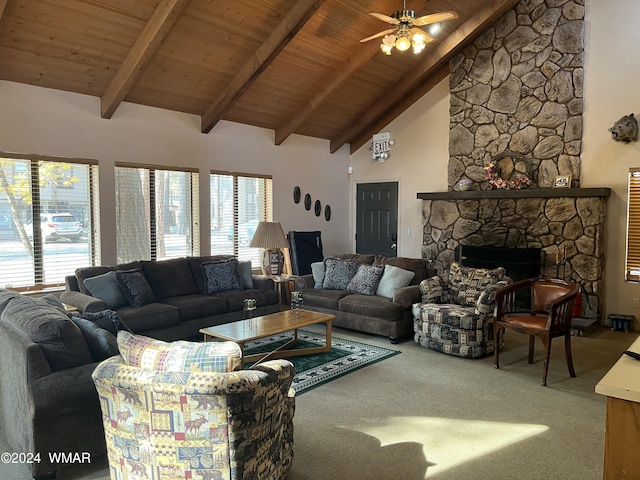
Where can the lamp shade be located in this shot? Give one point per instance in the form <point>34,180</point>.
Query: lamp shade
<point>269,235</point>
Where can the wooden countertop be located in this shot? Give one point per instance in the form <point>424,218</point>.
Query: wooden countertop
<point>623,380</point>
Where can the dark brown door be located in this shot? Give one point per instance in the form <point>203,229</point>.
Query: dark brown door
<point>377,218</point>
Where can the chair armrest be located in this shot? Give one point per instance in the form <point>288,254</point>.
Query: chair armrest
<point>84,303</point>
<point>407,296</point>
<point>263,282</point>
<point>434,289</point>
<point>487,299</point>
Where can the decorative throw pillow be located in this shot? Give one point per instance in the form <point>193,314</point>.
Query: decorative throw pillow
<point>393,278</point>
<point>338,273</point>
<point>317,270</point>
<point>102,343</point>
<point>366,279</point>
<point>221,276</point>
<point>151,354</point>
<point>106,319</point>
<point>135,287</point>
<point>245,275</point>
<point>106,288</point>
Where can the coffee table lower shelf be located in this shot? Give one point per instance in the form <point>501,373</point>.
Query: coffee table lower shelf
<point>244,331</point>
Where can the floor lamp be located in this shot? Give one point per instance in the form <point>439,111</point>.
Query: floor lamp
<point>271,237</point>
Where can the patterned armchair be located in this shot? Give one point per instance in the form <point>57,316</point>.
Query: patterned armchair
<point>197,424</point>
<point>456,313</point>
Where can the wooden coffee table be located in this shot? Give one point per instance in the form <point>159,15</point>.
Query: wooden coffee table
<point>244,331</point>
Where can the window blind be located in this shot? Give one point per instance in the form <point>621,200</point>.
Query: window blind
<point>48,220</point>
<point>632,269</point>
<point>156,213</point>
<point>238,203</point>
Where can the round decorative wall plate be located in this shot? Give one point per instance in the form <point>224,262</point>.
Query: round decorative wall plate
<point>317,208</point>
<point>307,202</point>
<point>327,213</point>
<point>296,194</point>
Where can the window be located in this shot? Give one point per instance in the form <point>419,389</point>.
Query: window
<point>156,213</point>
<point>48,219</point>
<point>632,270</point>
<point>238,203</point>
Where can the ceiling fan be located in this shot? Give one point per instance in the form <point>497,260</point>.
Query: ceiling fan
<point>405,32</point>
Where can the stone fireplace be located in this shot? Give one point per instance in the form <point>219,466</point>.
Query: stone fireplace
<point>516,114</point>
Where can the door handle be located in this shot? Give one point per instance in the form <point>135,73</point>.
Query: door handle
<point>393,246</point>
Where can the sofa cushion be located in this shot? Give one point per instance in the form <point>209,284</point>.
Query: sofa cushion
<point>135,287</point>
<point>181,356</point>
<point>415,265</point>
<point>102,343</point>
<point>150,316</point>
<point>338,273</point>
<point>106,288</point>
<point>86,272</point>
<point>195,264</point>
<point>375,307</point>
<point>393,278</point>
<point>317,270</point>
<point>60,340</point>
<point>321,298</point>
<point>356,257</point>
<point>169,278</point>
<point>106,319</point>
<point>221,276</point>
<point>245,275</point>
<point>198,306</point>
<point>366,279</point>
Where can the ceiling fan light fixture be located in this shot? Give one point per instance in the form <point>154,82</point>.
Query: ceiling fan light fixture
<point>434,28</point>
<point>403,43</point>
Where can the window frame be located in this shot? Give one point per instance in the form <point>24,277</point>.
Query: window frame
<point>632,251</point>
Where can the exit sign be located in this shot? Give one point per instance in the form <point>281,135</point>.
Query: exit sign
<point>381,142</point>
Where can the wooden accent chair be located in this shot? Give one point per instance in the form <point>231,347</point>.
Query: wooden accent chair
<point>550,316</point>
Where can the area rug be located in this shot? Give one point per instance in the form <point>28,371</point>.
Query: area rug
<point>346,356</point>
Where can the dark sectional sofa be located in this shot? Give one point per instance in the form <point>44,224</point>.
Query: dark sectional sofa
<point>179,305</point>
<point>389,316</point>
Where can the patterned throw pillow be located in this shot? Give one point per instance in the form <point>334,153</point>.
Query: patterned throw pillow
<point>338,273</point>
<point>181,356</point>
<point>221,276</point>
<point>393,278</point>
<point>366,279</point>
<point>135,287</point>
<point>102,343</point>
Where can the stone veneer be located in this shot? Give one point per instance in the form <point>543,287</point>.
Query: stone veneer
<point>517,89</point>
<point>516,99</point>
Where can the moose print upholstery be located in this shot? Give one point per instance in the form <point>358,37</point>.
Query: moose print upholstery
<point>197,424</point>
<point>456,314</point>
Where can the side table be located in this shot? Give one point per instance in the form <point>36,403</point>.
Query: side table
<point>284,282</point>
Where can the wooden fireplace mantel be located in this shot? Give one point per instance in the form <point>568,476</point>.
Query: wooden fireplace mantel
<point>525,193</point>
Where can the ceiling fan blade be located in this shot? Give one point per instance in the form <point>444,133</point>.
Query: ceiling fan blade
<point>385,18</point>
<point>427,38</point>
<point>434,18</point>
<point>380,34</point>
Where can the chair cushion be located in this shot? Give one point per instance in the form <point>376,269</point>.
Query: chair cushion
<point>449,314</point>
<point>151,354</point>
<point>467,283</point>
<point>393,278</point>
<point>366,280</point>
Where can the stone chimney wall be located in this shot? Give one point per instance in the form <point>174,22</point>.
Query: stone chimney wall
<point>517,89</point>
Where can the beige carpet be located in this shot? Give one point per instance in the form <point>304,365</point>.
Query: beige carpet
<point>422,414</point>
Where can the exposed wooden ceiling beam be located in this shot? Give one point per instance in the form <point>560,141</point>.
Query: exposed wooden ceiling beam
<point>399,108</point>
<point>299,14</point>
<point>326,87</point>
<point>361,125</point>
<point>164,16</point>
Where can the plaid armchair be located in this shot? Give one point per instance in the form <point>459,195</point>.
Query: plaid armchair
<point>457,312</point>
<point>197,424</point>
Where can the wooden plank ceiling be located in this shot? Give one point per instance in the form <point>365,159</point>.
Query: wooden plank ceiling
<point>290,66</point>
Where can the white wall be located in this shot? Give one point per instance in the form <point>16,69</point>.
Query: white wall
<point>36,120</point>
<point>419,159</point>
